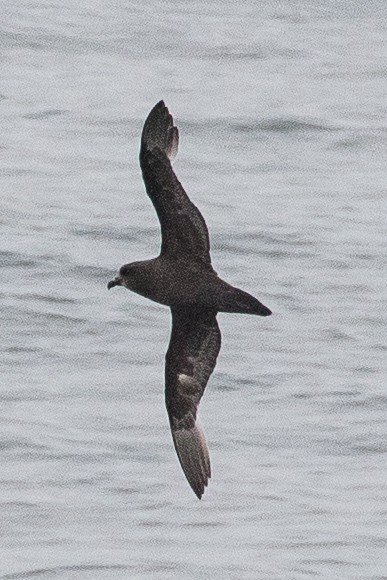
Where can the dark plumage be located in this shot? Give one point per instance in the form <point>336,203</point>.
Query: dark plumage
<point>182,278</point>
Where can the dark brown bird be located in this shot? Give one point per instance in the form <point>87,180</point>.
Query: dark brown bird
<point>182,278</point>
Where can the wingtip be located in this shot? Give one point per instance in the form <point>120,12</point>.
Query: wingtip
<point>192,451</point>
<point>159,132</point>
<point>160,105</point>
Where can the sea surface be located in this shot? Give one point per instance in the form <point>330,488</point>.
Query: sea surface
<point>282,110</point>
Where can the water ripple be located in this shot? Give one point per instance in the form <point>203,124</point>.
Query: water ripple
<point>45,114</point>
<point>36,573</point>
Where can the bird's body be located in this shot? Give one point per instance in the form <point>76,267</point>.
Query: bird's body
<point>182,278</point>
<point>177,282</point>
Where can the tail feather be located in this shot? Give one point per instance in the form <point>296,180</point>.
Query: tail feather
<point>159,132</point>
<point>240,302</point>
<point>192,451</point>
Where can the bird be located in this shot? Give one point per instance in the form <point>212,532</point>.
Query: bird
<point>182,278</point>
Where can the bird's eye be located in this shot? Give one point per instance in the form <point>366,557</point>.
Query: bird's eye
<point>125,271</point>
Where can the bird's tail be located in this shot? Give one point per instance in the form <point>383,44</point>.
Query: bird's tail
<point>159,132</point>
<point>240,302</point>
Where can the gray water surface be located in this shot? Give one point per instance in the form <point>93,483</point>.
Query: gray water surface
<point>282,113</point>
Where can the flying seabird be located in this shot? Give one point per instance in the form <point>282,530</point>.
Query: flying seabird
<point>183,278</point>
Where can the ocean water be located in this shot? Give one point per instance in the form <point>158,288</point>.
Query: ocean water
<point>282,113</point>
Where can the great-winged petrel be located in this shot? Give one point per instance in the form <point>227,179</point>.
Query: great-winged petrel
<point>182,278</point>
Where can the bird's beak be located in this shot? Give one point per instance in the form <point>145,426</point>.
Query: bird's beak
<point>116,282</point>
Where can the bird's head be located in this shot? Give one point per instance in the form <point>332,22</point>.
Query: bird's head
<point>126,277</point>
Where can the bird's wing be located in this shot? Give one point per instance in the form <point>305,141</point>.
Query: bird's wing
<point>183,229</point>
<point>190,360</point>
